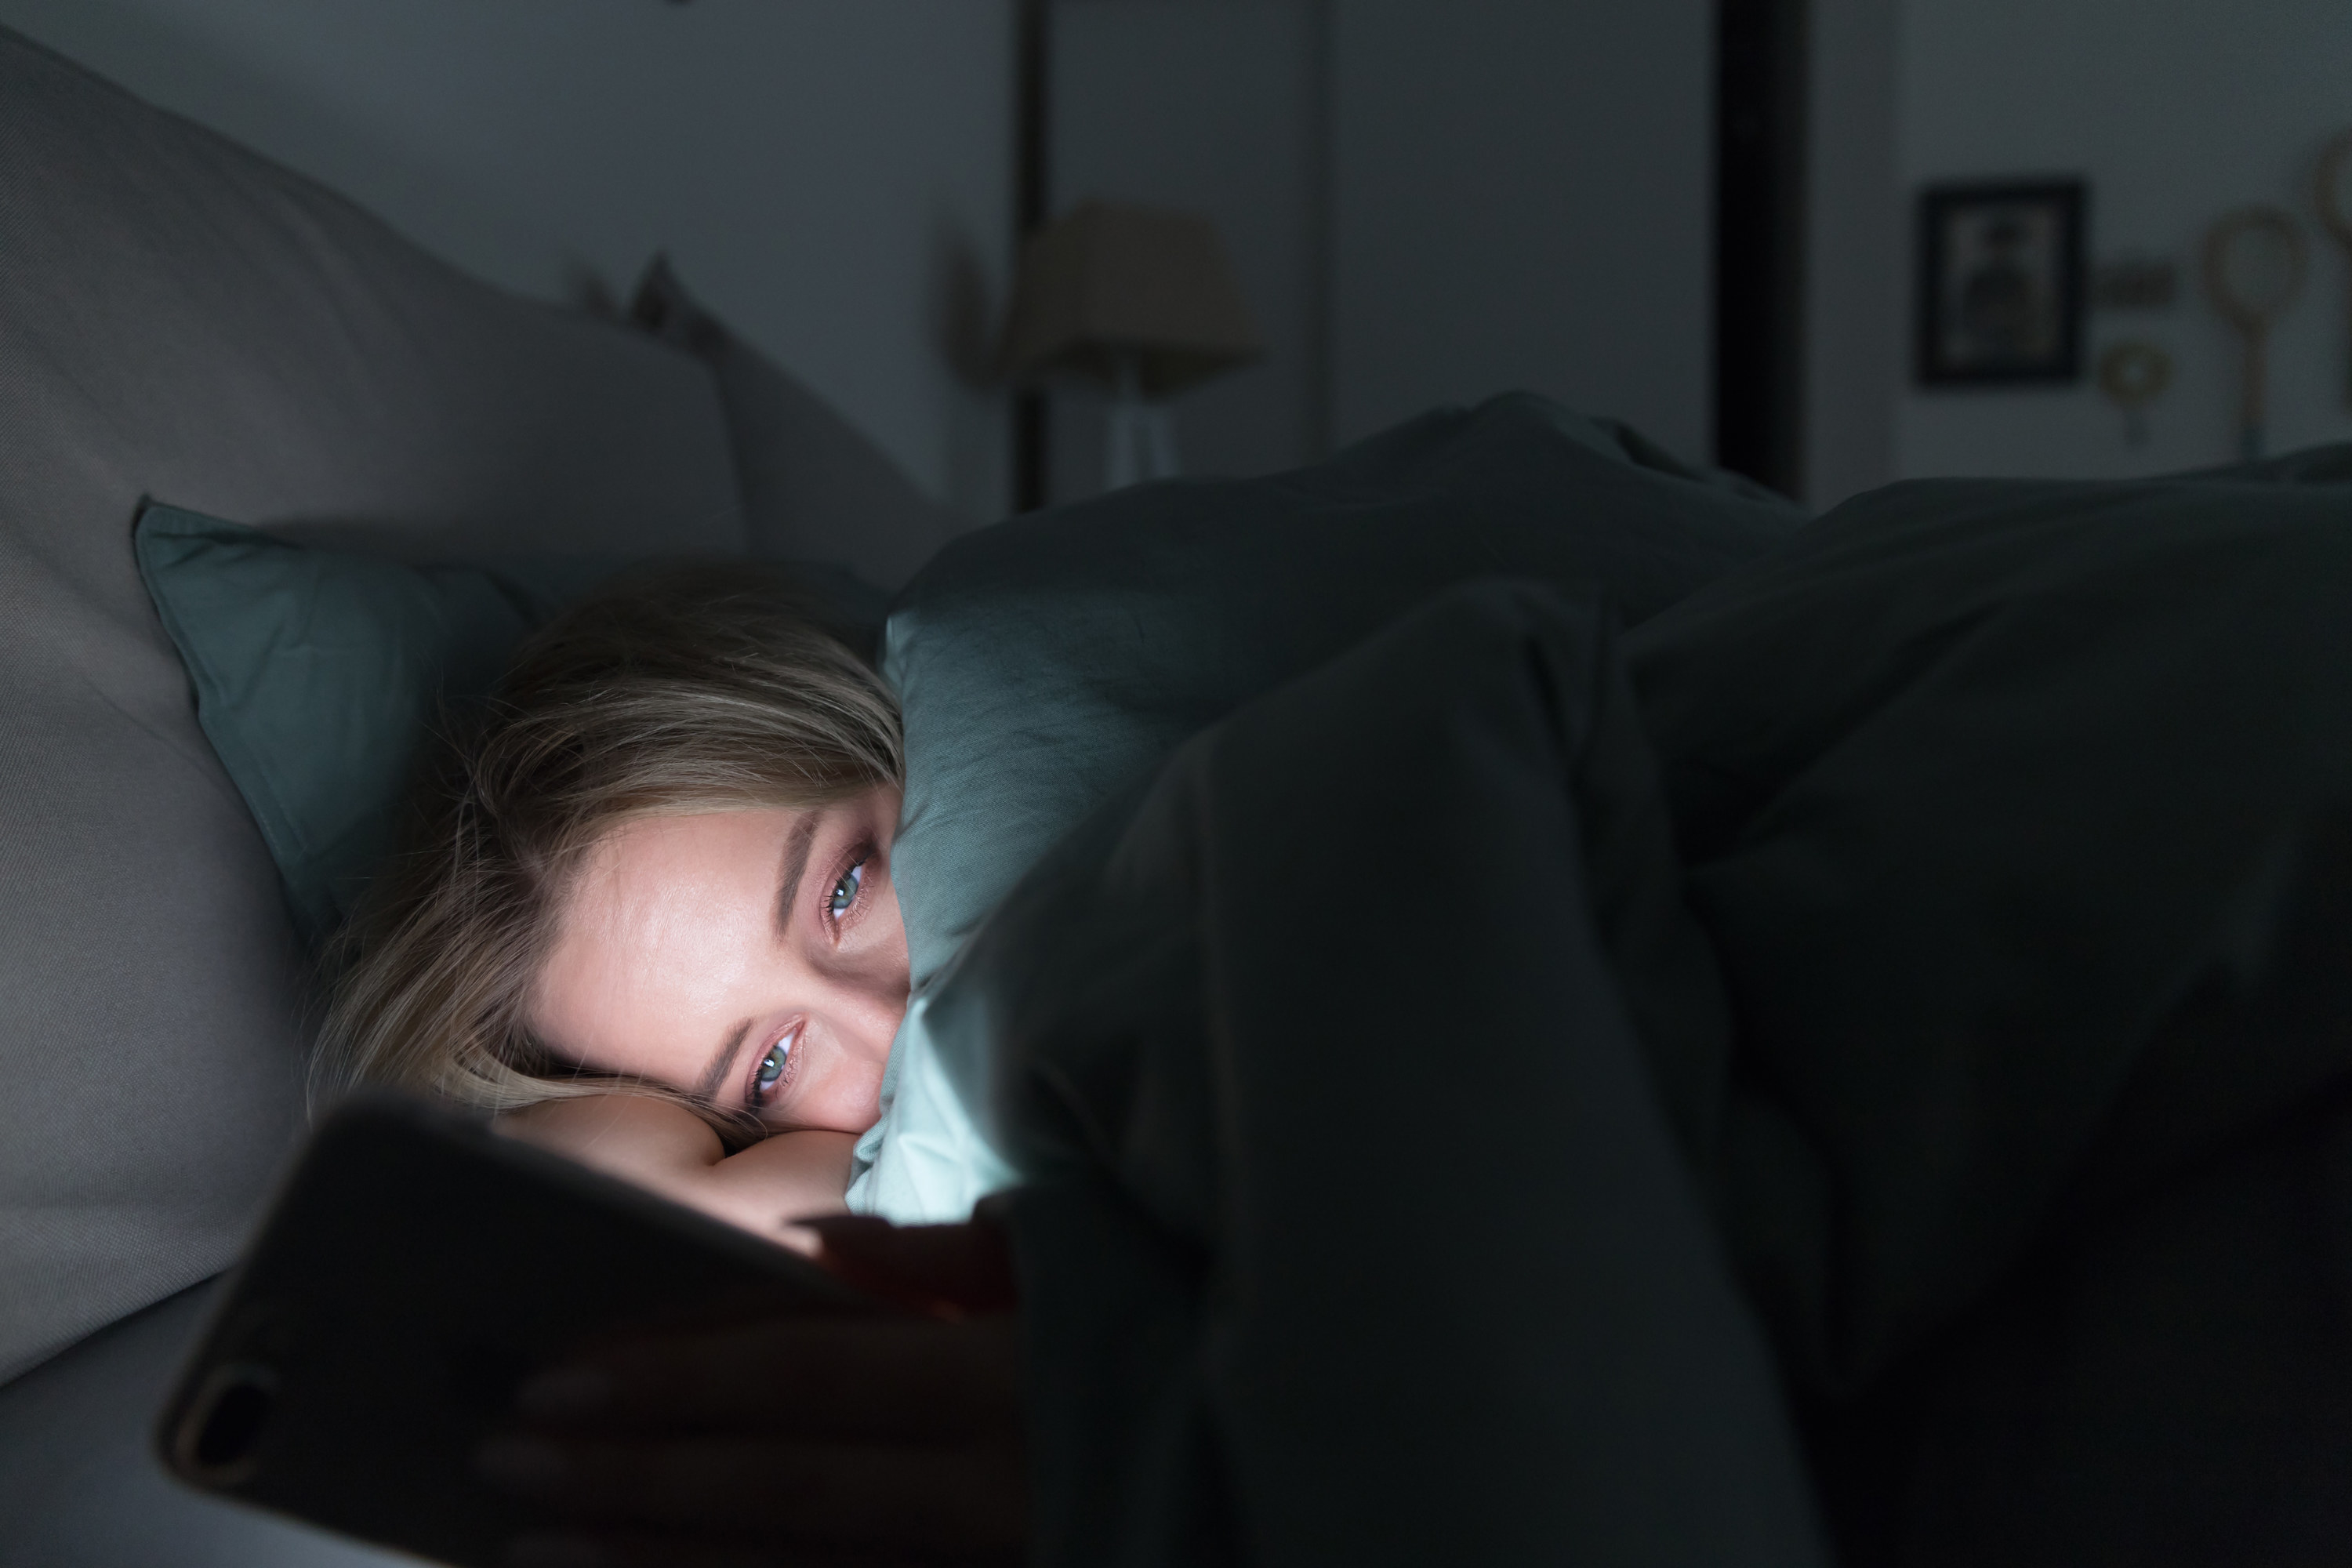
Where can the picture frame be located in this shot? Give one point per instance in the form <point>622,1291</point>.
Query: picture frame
<point>2000,282</point>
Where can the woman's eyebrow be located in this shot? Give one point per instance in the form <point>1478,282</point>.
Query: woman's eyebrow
<point>715,1073</point>
<point>796,859</point>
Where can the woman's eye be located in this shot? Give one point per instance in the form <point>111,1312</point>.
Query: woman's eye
<point>772,1067</point>
<point>845,892</point>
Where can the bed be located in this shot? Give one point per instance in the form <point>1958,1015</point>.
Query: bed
<point>1862,1154</point>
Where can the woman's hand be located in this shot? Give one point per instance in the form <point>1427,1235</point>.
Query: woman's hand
<point>794,1438</point>
<point>661,1145</point>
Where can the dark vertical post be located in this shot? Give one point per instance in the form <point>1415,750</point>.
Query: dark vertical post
<point>1760,239</point>
<point>1033,82</point>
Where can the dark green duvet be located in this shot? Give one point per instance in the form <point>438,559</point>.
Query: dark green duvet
<point>2019,817</point>
<point>1855,1067</point>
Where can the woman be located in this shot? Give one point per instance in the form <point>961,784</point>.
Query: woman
<point>648,917</point>
<point>655,905</point>
<point>1915,1022</point>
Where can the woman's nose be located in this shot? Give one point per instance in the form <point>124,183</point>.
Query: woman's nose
<point>867,1002</point>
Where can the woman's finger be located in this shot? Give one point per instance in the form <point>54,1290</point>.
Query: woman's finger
<point>904,1379</point>
<point>837,1497</point>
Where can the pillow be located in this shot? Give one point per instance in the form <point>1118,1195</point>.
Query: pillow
<point>815,487</point>
<point>1050,662</point>
<point>180,318</point>
<point>318,674</point>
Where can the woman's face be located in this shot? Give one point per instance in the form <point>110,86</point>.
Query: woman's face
<point>753,959</point>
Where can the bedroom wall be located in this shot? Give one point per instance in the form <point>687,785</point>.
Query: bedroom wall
<point>2175,110</point>
<point>833,178</point>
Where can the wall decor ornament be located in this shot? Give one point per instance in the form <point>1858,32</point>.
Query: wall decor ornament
<point>2000,282</point>
<point>2133,375</point>
<point>2254,263</point>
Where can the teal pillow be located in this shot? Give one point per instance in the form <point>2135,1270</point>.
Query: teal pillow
<point>318,674</point>
<point>1048,663</point>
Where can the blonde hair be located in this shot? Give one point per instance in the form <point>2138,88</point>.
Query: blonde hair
<point>697,690</point>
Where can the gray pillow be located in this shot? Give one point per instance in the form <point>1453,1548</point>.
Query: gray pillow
<point>1050,662</point>
<point>181,318</point>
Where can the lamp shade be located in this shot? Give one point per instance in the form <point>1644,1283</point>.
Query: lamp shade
<point>1109,283</point>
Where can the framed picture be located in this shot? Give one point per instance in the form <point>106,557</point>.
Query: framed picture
<point>2000,282</point>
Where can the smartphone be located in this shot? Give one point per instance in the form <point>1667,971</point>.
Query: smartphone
<point>415,1267</point>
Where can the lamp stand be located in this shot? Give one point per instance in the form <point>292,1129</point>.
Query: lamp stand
<point>1140,434</point>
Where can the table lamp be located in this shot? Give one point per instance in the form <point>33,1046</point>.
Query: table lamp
<point>1139,299</point>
